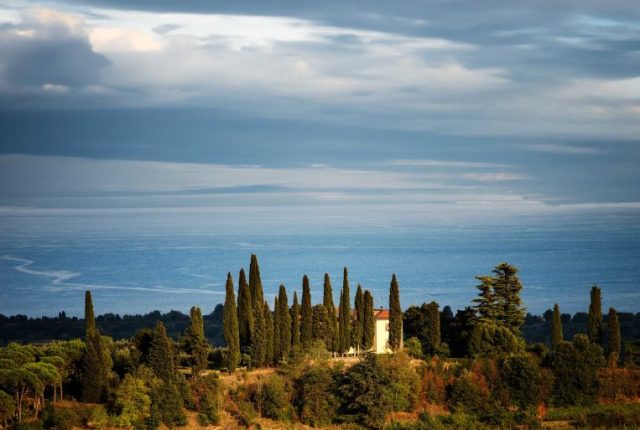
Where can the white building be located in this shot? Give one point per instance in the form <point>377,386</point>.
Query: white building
<point>381,336</point>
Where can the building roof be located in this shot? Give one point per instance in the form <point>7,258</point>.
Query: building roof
<point>381,314</point>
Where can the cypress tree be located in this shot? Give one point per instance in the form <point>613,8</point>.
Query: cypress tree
<point>395,316</point>
<point>556,328</point>
<point>306,328</point>
<point>486,300</point>
<point>167,401</point>
<point>507,287</point>
<point>230,325</point>
<point>245,312</point>
<point>357,332</point>
<point>433,335</point>
<point>594,328</point>
<point>295,323</point>
<point>613,324</point>
<point>89,317</point>
<point>331,311</point>
<point>284,324</point>
<point>369,322</point>
<point>277,345</point>
<point>268,319</point>
<point>344,323</point>
<point>259,334</point>
<point>321,324</point>
<point>94,368</point>
<point>195,341</point>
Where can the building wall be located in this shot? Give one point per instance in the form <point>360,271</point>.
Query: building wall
<point>381,341</point>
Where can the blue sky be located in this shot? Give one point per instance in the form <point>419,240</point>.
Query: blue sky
<point>330,112</point>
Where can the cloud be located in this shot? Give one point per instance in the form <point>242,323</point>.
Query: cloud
<point>48,51</point>
<point>447,163</point>
<point>560,149</point>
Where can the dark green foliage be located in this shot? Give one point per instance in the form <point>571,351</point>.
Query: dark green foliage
<point>315,400</point>
<point>433,335</point>
<point>321,325</point>
<point>575,367</point>
<point>466,396</point>
<point>7,408</point>
<point>556,327</point>
<point>331,310</point>
<point>270,336</point>
<point>485,303</point>
<point>277,346</point>
<point>357,331</point>
<point>284,324</point>
<point>613,343</point>
<point>395,315</point>
<point>424,323</point>
<point>295,323</point>
<point>506,288</point>
<point>166,400</point>
<point>95,369</point>
<point>414,347</point>
<point>521,375</point>
<point>488,339</point>
<point>369,324</point>
<point>344,320</point>
<point>245,312</point>
<point>259,345</point>
<point>274,398</point>
<point>230,326</point>
<point>306,327</point>
<point>594,329</point>
<point>195,343</point>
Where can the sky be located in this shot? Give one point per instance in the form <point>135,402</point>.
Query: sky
<point>331,113</point>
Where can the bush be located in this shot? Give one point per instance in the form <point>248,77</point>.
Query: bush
<point>274,399</point>
<point>521,376</point>
<point>414,347</point>
<point>203,420</point>
<point>246,413</point>
<point>315,400</point>
<point>489,339</point>
<point>465,396</point>
<point>206,397</point>
<point>575,366</point>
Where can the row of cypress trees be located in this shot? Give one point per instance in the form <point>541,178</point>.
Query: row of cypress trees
<point>595,326</point>
<point>265,337</point>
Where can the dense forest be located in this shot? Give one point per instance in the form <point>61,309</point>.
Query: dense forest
<point>250,363</point>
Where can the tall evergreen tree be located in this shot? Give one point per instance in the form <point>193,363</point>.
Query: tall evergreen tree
<point>357,332</point>
<point>255,285</point>
<point>95,372</point>
<point>485,303</point>
<point>284,324</point>
<point>277,345</point>
<point>166,398</point>
<point>259,345</point>
<point>369,322</point>
<point>331,311</point>
<point>433,335</point>
<point>556,328</point>
<point>195,342</point>
<point>395,315</point>
<point>245,312</point>
<point>507,288</point>
<point>344,322</point>
<point>613,345</point>
<point>306,327</point>
<point>594,328</point>
<point>268,319</point>
<point>230,326</point>
<point>295,323</point>
<point>321,324</point>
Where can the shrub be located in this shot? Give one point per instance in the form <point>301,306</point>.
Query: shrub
<point>465,396</point>
<point>575,366</point>
<point>521,376</point>
<point>315,400</point>
<point>274,398</point>
<point>206,397</point>
<point>489,339</point>
<point>414,347</point>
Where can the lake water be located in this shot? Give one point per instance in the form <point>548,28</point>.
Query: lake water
<point>43,272</point>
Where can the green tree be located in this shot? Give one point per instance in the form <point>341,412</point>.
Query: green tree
<point>94,369</point>
<point>277,345</point>
<point>295,323</point>
<point>613,343</point>
<point>556,327</point>
<point>245,312</point>
<point>231,332</point>
<point>490,339</point>
<point>315,400</point>
<point>284,324</point>
<point>166,398</point>
<point>507,288</point>
<point>331,310</point>
<point>344,322</point>
<point>575,369</point>
<point>432,333</point>
<point>485,304</point>
<point>133,402</point>
<point>369,322</point>
<point>268,319</point>
<point>306,327</point>
<point>522,377</point>
<point>594,329</point>
<point>395,315</point>
<point>7,408</point>
<point>357,331</point>
<point>321,324</point>
<point>259,345</point>
<point>195,343</point>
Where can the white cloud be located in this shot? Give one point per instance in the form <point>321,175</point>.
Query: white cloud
<point>560,149</point>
